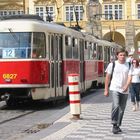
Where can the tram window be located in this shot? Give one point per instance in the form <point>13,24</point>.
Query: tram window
<point>109,54</point>
<point>67,40</point>
<point>86,51</point>
<point>86,44</point>
<point>60,47</point>
<point>21,45</point>
<point>94,52</point>
<point>39,44</point>
<point>105,54</point>
<point>51,47</point>
<point>81,46</point>
<point>56,47</point>
<point>91,50</point>
<point>100,53</point>
<point>68,47</point>
<point>75,48</point>
<point>113,52</point>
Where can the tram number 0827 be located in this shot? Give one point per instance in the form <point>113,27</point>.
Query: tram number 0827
<point>9,76</point>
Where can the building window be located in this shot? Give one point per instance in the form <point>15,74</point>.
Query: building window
<point>74,12</point>
<point>113,11</point>
<point>49,13</point>
<point>45,12</point>
<point>108,11</point>
<point>138,10</point>
<point>118,11</point>
<point>10,12</point>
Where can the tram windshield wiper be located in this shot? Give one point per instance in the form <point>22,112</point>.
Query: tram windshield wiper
<point>13,35</point>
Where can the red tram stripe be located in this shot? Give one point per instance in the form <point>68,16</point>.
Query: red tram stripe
<point>74,102</point>
<point>73,83</point>
<point>73,74</point>
<point>74,92</point>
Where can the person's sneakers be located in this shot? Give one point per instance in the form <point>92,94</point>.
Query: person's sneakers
<point>137,106</point>
<point>134,108</point>
<point>115,129</point>
<point>119,129</point>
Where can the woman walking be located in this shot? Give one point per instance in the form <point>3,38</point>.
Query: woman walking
<point>135,85</point>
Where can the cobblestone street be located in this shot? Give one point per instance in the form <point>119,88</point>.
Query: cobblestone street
<point>94,123</point>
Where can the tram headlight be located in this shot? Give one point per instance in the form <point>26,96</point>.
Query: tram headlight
<point>8,80</point>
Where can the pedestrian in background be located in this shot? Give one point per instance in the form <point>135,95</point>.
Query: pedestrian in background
<point>129,56</point>
<point>121,79</point>
<point>135,85</point>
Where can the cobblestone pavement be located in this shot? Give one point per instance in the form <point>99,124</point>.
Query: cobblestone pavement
<point>95,122</point>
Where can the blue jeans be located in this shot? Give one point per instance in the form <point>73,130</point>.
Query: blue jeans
<point>134,91</point>
<point>118,107</point>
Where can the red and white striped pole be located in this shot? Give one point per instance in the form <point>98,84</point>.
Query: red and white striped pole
<point>74,95</point>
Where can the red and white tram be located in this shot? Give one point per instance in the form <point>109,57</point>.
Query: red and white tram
<point>36,58</point>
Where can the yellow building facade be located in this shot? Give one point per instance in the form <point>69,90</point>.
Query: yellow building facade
<point>113,20</point>
<point>124,25</point>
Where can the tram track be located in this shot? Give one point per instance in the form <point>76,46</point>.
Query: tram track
<point>8,114</point>
<point>16,117</point>
<point>26,119</point>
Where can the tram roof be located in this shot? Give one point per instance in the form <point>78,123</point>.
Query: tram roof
<point>30,23</point>
<point>107,43</point>
<point>34,23</point>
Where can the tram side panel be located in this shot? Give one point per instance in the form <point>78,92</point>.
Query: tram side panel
<point>24,72</point>
<point>71,62</point>
<point>16,75</point>
<point>69,67</point>
<point>90,65</point>
<point>91,74</point>
<point>100,64</point>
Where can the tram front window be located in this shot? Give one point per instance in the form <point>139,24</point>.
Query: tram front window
<point>19,45</point>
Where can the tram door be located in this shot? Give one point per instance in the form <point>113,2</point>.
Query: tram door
<point>81,44</point>
<point>56,65</point>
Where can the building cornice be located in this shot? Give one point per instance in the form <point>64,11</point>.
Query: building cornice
<point>11,5</point>
<point>74,1</point>
<point>44,1</point>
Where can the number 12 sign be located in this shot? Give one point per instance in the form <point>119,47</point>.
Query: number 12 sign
<point>8,53</point>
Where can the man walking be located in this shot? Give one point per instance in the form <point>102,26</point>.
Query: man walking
<point>121,78</point>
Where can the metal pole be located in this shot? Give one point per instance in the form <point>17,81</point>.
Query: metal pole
<point>75,15</point>
<point>24,6</point>
<point>113,36</point>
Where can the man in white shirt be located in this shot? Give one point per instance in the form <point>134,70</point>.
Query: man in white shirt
<point>121,79</point>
